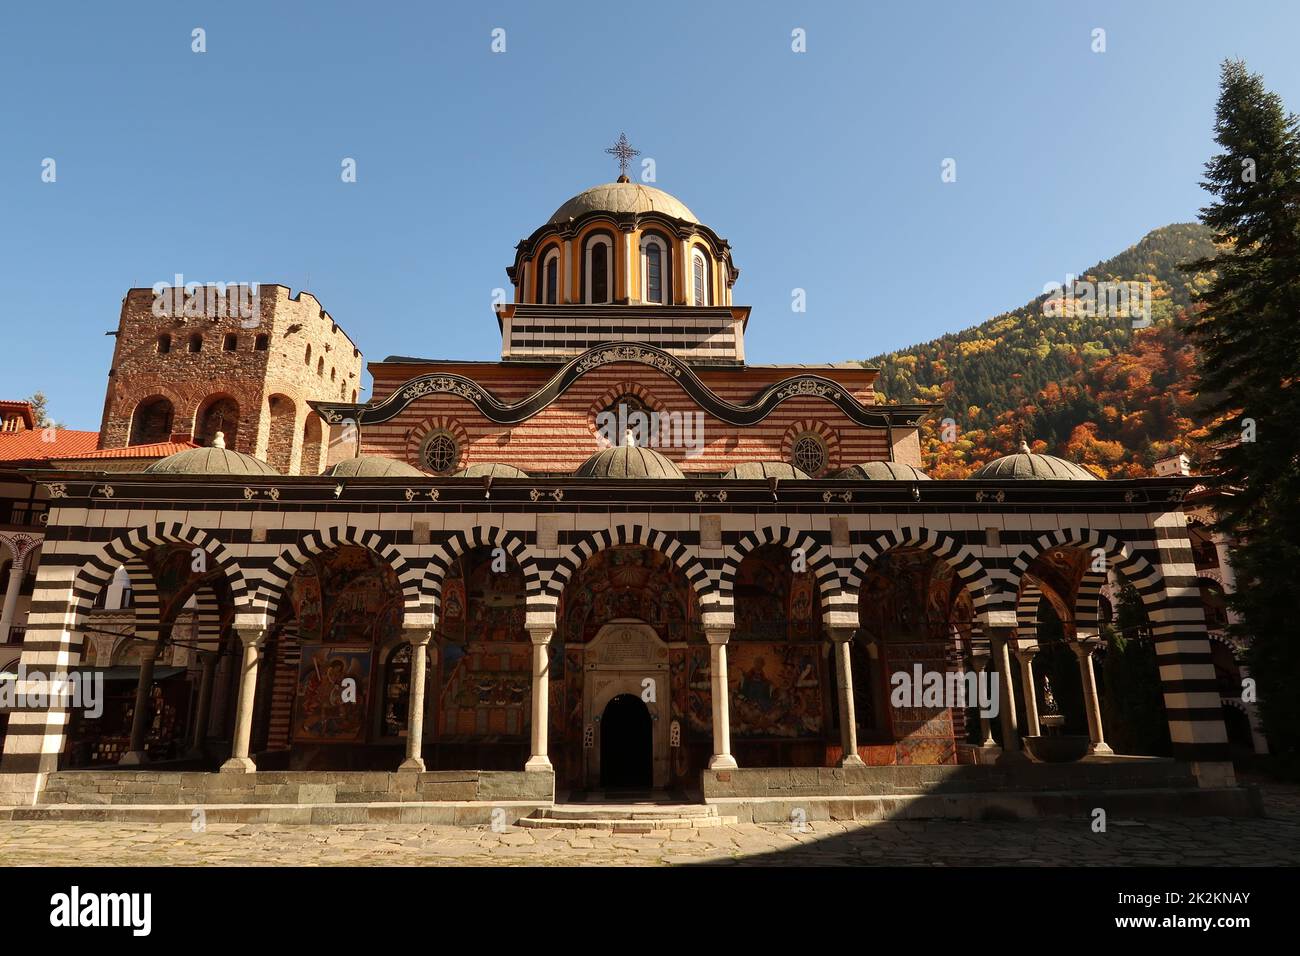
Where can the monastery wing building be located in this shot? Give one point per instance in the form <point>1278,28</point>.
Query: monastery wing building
<point>618,558</point>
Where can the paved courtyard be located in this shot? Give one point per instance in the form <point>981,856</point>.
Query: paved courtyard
<point>1207,841</point>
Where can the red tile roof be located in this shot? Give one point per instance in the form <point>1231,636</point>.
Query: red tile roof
<point>157,450</point>
<point>30,445</point>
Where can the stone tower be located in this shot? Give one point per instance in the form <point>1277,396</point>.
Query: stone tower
<point>239,360</point>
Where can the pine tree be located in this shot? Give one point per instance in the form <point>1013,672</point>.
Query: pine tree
<point>40,414</point>
<point>1250,377</point>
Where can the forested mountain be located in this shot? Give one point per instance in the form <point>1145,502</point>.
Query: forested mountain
<point>1074,380</point>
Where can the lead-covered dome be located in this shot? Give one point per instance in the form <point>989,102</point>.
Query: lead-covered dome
<point>1026,466</point>
<point>623,197</point>
<point>372,466</point>
<point>628,461</point>
<point>882,471</point>
<point>490,469</point>
<point>762,470</point>
<point>210,461</point>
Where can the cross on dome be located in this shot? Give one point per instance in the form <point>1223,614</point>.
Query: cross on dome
<point>624,151</point>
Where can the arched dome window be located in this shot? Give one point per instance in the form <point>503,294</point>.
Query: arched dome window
<point>701,274</point>
<point>654,270</point>
<point>550,291</point>
<point>599,268</point>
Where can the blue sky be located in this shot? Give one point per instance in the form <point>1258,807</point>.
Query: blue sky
<point>821,168</point>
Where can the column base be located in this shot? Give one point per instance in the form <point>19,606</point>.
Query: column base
<point>412,763</point>
<point>852,760</point>
<point>133,758</point>
<point>1100,750</point>
<point>539,764</point>
<point>723,762</point>
<point>239,765</point>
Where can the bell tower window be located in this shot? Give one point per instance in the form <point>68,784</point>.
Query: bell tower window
<point>700,275</point>
<point>654,256</point>
<point>551,277</point>
<point>599,266</point>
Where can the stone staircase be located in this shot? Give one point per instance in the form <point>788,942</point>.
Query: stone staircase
<point>637,817</point>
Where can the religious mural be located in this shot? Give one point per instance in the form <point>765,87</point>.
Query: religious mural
<point>342,606</point>
<point>775,690</point>
<point>333,694</point>
<point>911,602</point>
<point>485,655</point>
<point>774,602</point>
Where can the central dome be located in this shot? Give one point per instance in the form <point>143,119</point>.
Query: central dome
<point>623,197</point>
<point>628,461</point>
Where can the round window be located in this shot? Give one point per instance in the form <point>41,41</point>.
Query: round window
<point>441,453</point>
<point>809,454</point>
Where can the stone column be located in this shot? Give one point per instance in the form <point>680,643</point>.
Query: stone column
<point>252,639</point>
<point>541,627</point>
<point>1001,639</point>
<point>1026,656</point>
<point>717,636</point>
<point>842,626</point>
<point>980,661</point>
<point>206,681</point>
<point>135,754</point>
<point>16,575</point>
<point>1083,650</point>
<point>419,638</point>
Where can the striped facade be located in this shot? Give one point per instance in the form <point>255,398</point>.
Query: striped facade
<point>258,534</point>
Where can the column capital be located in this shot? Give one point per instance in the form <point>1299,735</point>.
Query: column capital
<point>1083,649</point>
<point>539,618</point>
<point>841,635</point>
<point>416,635</point>
<point>541,636</point>
<point>1027,654</point>
<point>997,620</point>
<point>251,636</point>
<point>717,635</point>
<point>980,659</point>
<point>415,619</point>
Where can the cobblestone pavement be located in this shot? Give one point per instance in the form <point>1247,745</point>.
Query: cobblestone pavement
<point>1210,841</point>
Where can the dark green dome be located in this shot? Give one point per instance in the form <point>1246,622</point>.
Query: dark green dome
<point>882,471</point>
<point>372,466</point>
<point>628,461</point>
<point>1029,467</point>
<point>490,469</point>
<point>762,470</point>
<point>210,461</point>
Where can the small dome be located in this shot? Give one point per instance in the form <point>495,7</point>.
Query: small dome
<point>372,466</point>
<point>1025,466</point>
<point>882,471</point>
<point>492,469</point>
<point>210,461</point>
<point>760,470</point>
<point>628,461</point>
<point>623,198</point>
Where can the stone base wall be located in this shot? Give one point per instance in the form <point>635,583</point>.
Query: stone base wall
<point>290,787</point>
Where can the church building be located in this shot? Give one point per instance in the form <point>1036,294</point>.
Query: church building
<point>618,558</point>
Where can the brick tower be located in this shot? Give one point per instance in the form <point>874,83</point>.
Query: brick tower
<point>243,361</point>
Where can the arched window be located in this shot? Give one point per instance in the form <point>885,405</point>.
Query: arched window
<point>599,267</point>
<point>230,343</point>
<point>164,344</point>
<point>703,293</point>
<point>152,422</point>
<point>307,358</point>
<point>654,270</point>
<point>196,343</point>
<point>320,367</point>
<point>551,278</point>
<point>220,414</point>
<point>259,343</point>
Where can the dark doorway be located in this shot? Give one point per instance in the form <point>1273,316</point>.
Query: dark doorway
<point>626,751</point>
